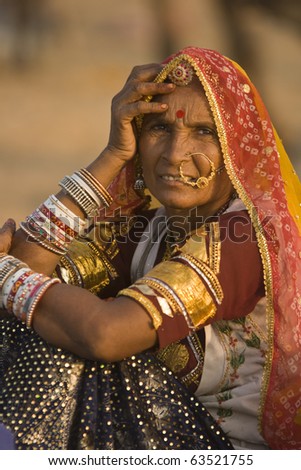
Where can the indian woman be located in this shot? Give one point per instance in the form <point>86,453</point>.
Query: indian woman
<point>154,301</point>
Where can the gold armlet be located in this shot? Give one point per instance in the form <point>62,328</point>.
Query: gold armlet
<point>206,273</point>
<point>190,296</point>
<point>85,265</point>
<point>173,288</point>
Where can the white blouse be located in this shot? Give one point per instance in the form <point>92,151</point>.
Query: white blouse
<point>232,376</point>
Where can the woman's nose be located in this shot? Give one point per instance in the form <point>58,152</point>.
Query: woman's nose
<point>176,151</point>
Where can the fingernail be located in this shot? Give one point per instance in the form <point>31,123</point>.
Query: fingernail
<point>164,106</point>
<point>10,222</point>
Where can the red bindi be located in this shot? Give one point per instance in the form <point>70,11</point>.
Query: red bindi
<point>180,113</point>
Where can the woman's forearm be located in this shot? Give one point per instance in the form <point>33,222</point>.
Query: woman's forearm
<point>104,168</point>
<point>76,320</point>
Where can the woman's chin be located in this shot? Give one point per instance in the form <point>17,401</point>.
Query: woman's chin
<point>175,205</point>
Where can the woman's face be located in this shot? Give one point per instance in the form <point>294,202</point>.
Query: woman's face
<point>164,144</point>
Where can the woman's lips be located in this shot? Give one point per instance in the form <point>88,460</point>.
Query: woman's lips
<point>177,178</point>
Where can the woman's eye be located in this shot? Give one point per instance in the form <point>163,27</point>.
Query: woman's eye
<point>155,129</point>
<point>159,128</point>
<point>206,131</point>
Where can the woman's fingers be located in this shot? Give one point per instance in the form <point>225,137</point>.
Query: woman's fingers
<point>6,235</point>
<point>140,83</point>
<point>130,102</point>
<point>145,73</point>
<point>143,107</point>
<point>136,90</point>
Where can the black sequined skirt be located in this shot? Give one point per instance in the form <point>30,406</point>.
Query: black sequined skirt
<point>52,400</point>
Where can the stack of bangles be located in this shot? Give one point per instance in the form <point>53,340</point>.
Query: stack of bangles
<point>53,226</point>
<point>21,289</point>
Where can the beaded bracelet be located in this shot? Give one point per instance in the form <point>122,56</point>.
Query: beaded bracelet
<point>8,263</point>
<point>8,266</point>
<point>25,290</point>
<point>66,216</point>
<point>13,290</point>
<point>48,232</point>
<point>79,195</point>
<point>98,187</point>
<point>81,181</point>
<point>53,226</point>
<point>22,289</point>
<point>8,285</point>
<point>40,242</point>
<point>34,299</point>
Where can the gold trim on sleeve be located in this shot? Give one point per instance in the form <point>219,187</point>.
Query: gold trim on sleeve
<point>189,288</point>
<point>214,247</point>
<point>195,245</point>
<point>207,274</point>
<point>144,302</point>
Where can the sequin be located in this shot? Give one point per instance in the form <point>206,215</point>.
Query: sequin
<point>134,404</point>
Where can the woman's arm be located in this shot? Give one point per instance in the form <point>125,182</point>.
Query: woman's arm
<point>76,320</point>
<point>175,298</point>
<point>41,259</point>
<point>120,149</point>
<point>70,317</point>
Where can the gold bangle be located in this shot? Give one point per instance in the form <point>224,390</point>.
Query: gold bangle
<point>145,302</point>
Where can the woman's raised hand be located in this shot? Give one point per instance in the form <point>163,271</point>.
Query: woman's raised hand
<point>6,235</point>
<point>129,103</point>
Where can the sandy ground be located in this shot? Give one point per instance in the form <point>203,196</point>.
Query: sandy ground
<point>55,108</point>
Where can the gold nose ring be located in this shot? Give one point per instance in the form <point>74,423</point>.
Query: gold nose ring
<point>203,181</point>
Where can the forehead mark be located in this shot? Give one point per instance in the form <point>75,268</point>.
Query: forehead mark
<point>180,113</point>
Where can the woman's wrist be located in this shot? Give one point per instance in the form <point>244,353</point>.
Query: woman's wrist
<point>107,165</point>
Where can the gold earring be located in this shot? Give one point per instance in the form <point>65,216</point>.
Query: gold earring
<point>203,181</point>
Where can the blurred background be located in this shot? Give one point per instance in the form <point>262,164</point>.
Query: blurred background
<point>61,62</point>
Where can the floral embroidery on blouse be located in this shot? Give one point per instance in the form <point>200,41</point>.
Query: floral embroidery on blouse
<point>237,337</point>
